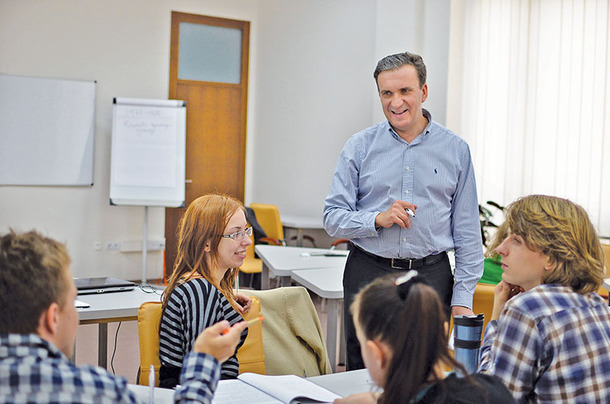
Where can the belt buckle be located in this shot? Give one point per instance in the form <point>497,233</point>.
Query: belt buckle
<point>395,267</point>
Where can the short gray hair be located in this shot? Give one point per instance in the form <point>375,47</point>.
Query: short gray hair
<point>398,60</point>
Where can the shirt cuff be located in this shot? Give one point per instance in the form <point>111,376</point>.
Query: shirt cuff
<point>199,378</point>
<point>461,297</point>
<point>488,339</point>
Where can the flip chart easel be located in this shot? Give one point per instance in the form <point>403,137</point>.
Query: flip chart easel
<point>147,165</point>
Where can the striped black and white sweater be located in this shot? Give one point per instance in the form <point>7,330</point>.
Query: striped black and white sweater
<point>191,307</point>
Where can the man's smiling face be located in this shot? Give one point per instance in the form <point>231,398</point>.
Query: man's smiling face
<point>401,99</point>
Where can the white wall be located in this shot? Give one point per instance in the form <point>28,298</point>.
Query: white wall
<point>316,88</point>
<point>310,88</point>
<point>313,92</point>
<point>124,45</point>
<point>422,27</point>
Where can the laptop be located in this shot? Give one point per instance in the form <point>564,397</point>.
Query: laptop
<point>87,286</point>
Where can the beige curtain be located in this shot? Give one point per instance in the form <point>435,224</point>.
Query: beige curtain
<point>529,89</point>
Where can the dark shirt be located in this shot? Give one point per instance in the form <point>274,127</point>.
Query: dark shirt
<point>459,390</point>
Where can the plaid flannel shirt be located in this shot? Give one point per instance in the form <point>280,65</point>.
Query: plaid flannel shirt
<point>551,345</point>
<point>33,370</point>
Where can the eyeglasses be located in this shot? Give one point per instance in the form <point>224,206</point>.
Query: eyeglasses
<point>239,235</point>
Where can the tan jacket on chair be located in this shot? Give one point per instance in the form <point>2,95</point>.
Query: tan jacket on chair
<point>292,334</point>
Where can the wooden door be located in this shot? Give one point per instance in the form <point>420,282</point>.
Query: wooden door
<point>216,113</point>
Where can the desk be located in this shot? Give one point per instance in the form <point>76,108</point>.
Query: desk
<point>343,384</point>
<point>301,223</point>
<point>281,261</point>
<point>321,274</point>
<point>346,383</point>
<point>160,396</point>
<point>326,283</point>
<point>112,307</point>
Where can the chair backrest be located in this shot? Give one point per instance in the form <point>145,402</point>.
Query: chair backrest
<point>257,230</point>
<point>149,317</point>
<point>251,356</point>
<point>292,334</point>
<point>483,300</point>
<point>606,247</point>
<point>268,216</point>
<point>251,264</point>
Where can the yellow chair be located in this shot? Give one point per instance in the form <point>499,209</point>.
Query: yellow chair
<point>268,216</point>
<point>606,247</point>
<point>483,301</point>
<point>251,356</point>
<point>149,317</point>
<point>251,264</point>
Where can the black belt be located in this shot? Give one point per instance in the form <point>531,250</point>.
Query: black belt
<point>404,263</point>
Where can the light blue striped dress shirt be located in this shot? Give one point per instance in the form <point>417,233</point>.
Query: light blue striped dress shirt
<point>434,172</point>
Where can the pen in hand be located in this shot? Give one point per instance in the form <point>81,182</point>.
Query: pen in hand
<point>249,322</point>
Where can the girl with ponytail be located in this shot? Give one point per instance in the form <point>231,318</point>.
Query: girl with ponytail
<point>402,328</point>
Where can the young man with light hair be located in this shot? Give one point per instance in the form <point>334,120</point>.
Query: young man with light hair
<point>38,332</point>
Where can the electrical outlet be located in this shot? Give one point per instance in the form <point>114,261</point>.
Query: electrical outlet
<point>156,245</point>
<point>113,245</point>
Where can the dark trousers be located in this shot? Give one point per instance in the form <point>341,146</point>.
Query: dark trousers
<point>361,269</point>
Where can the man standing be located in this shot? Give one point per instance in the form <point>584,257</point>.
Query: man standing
<point>38,331</point>
<point>404,193</point>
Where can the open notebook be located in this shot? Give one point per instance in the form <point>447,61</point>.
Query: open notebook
<point>252,388</point>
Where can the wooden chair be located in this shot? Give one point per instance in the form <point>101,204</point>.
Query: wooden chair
<point>251,355</point>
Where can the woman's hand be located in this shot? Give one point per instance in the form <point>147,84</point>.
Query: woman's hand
<point>244,303</point>
<point>220,340</point>
<point>502,293</point>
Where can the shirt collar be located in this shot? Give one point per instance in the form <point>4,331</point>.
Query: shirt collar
<point>421,137</point>
<point>20,345</point>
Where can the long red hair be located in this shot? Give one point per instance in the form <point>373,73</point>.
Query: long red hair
<point>203,224</point>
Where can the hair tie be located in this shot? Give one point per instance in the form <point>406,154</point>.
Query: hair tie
<point>406,277</point>
<point>404,283</point>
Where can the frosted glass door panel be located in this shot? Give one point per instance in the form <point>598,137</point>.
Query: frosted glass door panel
<point>209,53</point>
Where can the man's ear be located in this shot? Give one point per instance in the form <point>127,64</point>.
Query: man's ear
<point>49,321</point>
<point>549,265</point>
<point>424,90</point>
